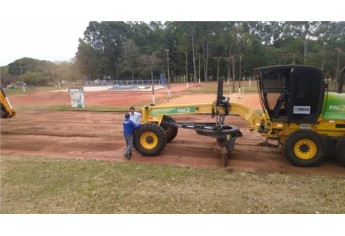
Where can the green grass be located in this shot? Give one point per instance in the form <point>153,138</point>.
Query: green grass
<point>211,88</point>
<point>19,91</point>
<point>69,108</point>
<point>41,185</point>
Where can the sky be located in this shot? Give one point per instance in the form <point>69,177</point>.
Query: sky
<point>43,40</point>
<point>49,30</point>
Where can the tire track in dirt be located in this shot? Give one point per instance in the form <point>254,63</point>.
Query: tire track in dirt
<point>98,135</point>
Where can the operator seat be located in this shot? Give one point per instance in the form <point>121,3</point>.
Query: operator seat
<point>283,99</point>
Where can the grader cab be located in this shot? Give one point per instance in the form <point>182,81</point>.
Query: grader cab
<point>302,115</point>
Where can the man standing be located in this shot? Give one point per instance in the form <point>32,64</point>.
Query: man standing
<point>128,130</point>
<point>134,116</point>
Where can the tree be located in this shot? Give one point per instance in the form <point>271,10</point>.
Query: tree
<point>108,38</point>
<point>116,46</point>
<point>131,57</point>
<point>88,60</point>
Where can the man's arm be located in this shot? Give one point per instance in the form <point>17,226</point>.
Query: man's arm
<point>134,125</point>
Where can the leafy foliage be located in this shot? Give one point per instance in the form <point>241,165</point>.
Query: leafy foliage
<point>251,44</point>
<point>35,72</point>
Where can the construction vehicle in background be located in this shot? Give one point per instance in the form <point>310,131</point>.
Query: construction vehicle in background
<point>298,112</point>
<point>7,110</point>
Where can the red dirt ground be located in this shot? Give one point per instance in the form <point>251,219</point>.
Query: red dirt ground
<point>98,135</point>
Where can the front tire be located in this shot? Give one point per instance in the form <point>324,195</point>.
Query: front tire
<point>150,139</point>
<point>340,150</point>
<point>304,148</point>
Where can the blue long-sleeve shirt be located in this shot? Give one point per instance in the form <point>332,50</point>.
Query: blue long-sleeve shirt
<point>129,126</point>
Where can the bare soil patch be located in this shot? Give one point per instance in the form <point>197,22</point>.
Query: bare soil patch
<point>98,135</point>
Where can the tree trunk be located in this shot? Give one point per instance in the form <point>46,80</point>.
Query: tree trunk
<point>193,53</point>
<point>116,72</point>
<point>341,80</point>
<point>233,75</point>
<point>205,57</point>
<point>190,25</point>
<point>305,50</point>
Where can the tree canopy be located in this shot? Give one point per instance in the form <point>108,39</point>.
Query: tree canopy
<point>35,72</point>
<point>115,50</point>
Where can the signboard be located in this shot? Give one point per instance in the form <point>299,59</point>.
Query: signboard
<point>334,106</point>
<point>301,110</point>
<point>77,97</point>
<point>166,111</point>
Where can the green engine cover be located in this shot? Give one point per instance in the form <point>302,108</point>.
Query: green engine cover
<point>334,106</point>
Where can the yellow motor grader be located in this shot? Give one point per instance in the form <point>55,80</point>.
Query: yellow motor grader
<point>298,112</point>
<point>6,108</point>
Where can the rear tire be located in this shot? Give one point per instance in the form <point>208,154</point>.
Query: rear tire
<point>150,139</point>
<point>340,150</point>
<point>304,148</point>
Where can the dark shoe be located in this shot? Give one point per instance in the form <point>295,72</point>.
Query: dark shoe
<point>130,154</point>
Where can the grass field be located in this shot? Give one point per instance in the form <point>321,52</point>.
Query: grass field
<point>20,91</point>
<point>40,185</point>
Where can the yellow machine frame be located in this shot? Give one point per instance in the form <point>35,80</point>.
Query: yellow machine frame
<point>7,110</point>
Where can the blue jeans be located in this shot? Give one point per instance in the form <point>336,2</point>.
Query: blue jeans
<point>129,144</point>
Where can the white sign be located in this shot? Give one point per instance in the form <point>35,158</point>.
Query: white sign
<point>77,97</point>
<point>301,110</point>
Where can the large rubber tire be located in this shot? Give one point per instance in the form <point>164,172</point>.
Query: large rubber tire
<point>170,131</point>
<point>304,148</point>
<point>150,139</point>
<point>340,150</point>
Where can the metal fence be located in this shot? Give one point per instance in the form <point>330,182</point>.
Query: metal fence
<point>124,82</point>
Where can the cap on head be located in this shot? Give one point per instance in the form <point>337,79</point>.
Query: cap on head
<point>127,115</point>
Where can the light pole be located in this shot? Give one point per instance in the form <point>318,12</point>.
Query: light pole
<point>228,69</point>
<point>153,84</point>
<point>341,80</point>
<point>233,74</point>
<point>199,66</point>
<point>167,52</point>
<point>21,75</point>
<point>186,69</point>
<point>239,79</point>
<point>339,50</point>
<point>218,58</point>
<point>199,69</point>
<point>218,68</point>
